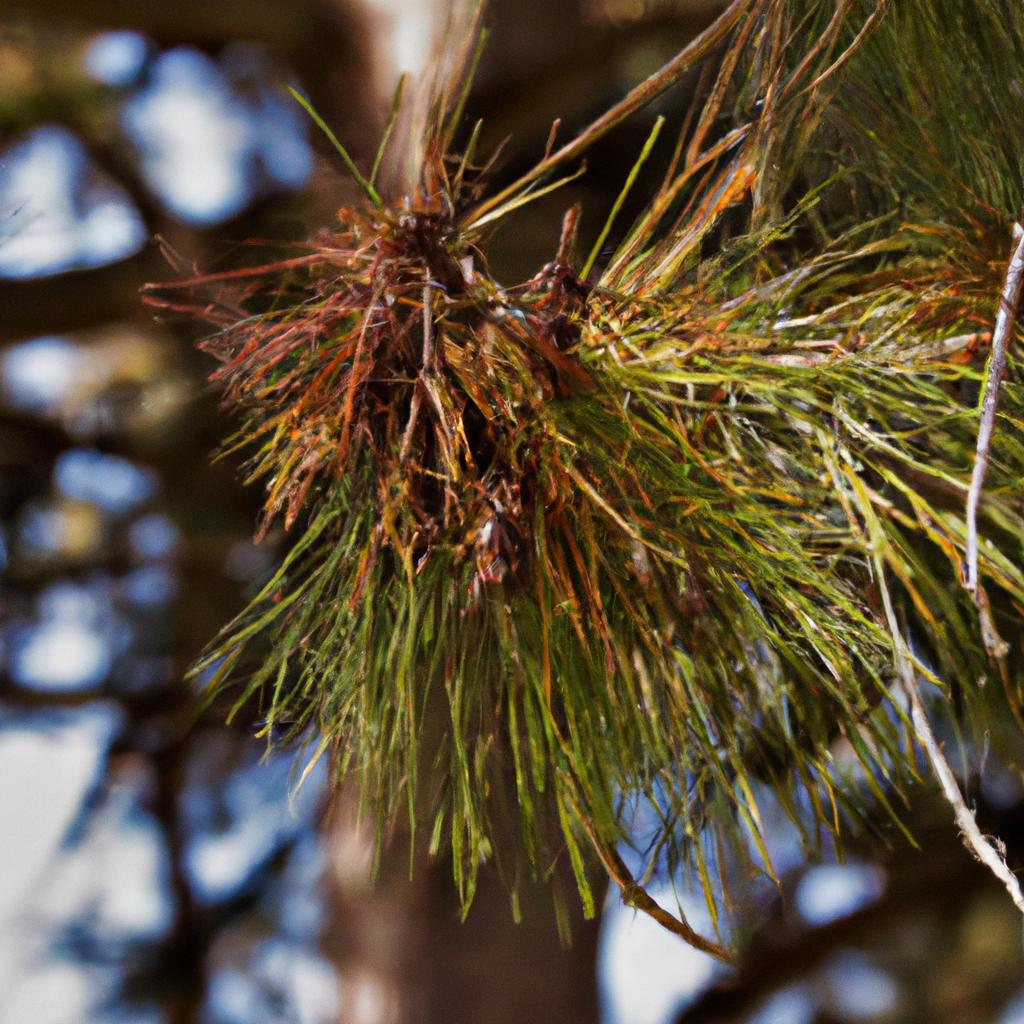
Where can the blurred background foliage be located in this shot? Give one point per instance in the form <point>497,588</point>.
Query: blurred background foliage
<point>156,866</point>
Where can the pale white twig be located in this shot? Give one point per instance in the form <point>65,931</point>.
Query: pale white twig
<point>974,839</point>
<point>1008,305</point>
<point>986,850</point>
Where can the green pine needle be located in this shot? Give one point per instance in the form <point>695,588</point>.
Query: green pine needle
<point>357,176</point>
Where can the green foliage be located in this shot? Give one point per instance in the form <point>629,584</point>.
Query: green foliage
<point>562,543</point>
<point>931,112</point>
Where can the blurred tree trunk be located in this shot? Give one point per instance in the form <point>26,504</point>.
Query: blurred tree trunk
<point>406,957</point>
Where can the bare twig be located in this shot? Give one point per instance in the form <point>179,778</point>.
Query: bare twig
<point>649,89</point>
<point>1005,318</point>
<point>428,367</point>
<point>980,845</point>
<point>636,896</point>
<point>987,851</point>
<point>974,839</point>
<point>410,426</point>
<point>429,361</point>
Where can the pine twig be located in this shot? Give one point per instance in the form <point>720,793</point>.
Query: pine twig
<point>988,852</point>
<point>1005,318</point>
<point>983,848</point>
<point>426,368</point>
<point>636,896</point>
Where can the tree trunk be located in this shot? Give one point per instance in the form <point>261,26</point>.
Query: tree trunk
<point>405,957</point>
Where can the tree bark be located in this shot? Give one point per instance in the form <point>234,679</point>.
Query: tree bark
<point>405,957</point>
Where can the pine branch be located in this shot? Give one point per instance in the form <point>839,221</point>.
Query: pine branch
<point>648,535</point>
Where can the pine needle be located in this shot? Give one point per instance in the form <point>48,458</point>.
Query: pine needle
<point>357,176</point>
<point>621,198</point>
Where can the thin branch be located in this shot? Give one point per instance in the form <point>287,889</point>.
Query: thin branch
<point>636,896</point>
<point>427,367</point>
<point>1007,315</point>
<point>782,950</point>
<point>429,358</point>
<point>410,426</point>
<point>639,97</point>
<point>984,848</point>
<point>987,851</point>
